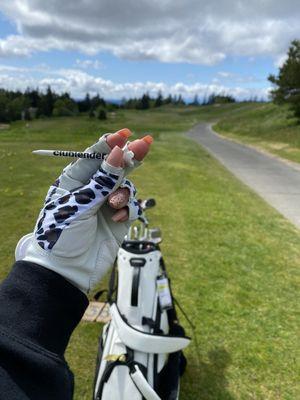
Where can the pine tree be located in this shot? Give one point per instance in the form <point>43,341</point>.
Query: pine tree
<point>49,102</point>
<point>180,101</point>
<point>195,101</point>
<point>85,104</point>
<point>97,101</point>
<point>168,100</point>
<point>287,83</point>
<point>144,102</point>
<point>159,100</point>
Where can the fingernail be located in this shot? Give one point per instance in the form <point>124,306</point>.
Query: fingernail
<point>148,139</point>
<point>125,133</point>
<point>118,138</point>
<point>140,147</point>
<point>119,198</point>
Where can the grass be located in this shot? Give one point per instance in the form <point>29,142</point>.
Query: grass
<point>233,260</point>
<point>267,126</point>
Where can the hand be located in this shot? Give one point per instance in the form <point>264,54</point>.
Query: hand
<point>86,215</point>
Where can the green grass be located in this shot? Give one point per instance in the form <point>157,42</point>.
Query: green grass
<point>266,126</point>
<point>233,260</point>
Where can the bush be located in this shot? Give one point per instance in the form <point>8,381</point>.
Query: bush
<point>101,114</point>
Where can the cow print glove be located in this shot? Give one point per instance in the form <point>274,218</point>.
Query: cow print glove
<point>75,235</point>
<point>61,211</point>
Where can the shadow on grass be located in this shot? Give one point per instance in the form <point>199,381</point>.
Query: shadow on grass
<point>207,380</point>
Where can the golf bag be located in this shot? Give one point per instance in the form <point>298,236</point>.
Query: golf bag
<point>140,351</point>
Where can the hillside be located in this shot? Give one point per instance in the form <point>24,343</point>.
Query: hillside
<point>265,125</point>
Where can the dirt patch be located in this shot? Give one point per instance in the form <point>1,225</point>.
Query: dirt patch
<point>4,126</point>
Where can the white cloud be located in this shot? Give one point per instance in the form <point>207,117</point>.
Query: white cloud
<point>88,64</point>
<point>78,82</point>
<point>236,78</point>
<point>225,74</point>
<point>195,31</point>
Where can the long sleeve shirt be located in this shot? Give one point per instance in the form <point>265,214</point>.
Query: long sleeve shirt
<point>39,310</point>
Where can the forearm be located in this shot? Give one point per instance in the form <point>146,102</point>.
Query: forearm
<point>39,310</point>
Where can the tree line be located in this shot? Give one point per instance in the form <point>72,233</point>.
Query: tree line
<point>146,101</point>
<point>33,103</point>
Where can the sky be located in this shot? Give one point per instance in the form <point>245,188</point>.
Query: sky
<point>121,48</point>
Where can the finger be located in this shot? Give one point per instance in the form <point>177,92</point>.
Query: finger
<point>132,206</point>
<point>140,147</point>
<point>119,198</point>
<point>133,211</point>
<point>115,157</point>
<point>118,138</point>
<point>121,215</point>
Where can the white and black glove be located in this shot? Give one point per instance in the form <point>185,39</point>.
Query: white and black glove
<point>75,234</point>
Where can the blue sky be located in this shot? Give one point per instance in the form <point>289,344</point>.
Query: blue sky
<point>168,49</point>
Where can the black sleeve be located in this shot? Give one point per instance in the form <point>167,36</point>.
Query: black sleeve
<point>39,310</point>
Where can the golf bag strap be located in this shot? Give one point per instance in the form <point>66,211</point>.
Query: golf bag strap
<point>143,341</point>
<point>111,285</point>
<point>142,385</point>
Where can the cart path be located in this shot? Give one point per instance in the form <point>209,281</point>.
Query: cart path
<point>274,180</point>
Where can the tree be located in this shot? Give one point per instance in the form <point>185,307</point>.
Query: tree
<point>144,102</point>
<point>131,103</point>
<point>195,101</point>
<point>168,100</point>
<point>85,104</point>
<point>49,102</point>
<point>221,98</point>
<point>204,100</point>
<point>101,113</point>
<point>180,101</point>
<point>97,101</point>
<point>15,108</point>
<point>3,107</point>
<point>287,83</point>
<point>159,100</point>
<point>33,97</point>
<point>65,107</point>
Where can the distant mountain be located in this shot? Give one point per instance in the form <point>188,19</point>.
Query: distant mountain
<point>114,101</point>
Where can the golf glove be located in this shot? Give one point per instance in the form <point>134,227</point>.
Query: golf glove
<point>74,234</point>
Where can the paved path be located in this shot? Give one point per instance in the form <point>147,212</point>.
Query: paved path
<point>274,180</point>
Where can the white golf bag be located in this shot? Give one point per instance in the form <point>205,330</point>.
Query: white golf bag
<point>140,350</point>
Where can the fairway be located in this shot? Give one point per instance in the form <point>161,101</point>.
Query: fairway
<point>233,260</point>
